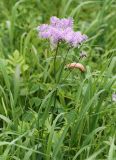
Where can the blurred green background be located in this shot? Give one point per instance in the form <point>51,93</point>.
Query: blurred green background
<point>82,123</point>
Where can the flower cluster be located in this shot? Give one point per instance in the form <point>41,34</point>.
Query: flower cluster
<point>61,30</point>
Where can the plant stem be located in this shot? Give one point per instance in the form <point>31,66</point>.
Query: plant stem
<point>55,93</point>
<point>62,67</point>
<point>55,63</point>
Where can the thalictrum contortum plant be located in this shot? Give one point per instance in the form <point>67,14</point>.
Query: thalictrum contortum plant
<point>61,30</point>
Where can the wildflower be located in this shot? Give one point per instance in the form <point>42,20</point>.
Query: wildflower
<point>74,38</point>
<point>61,30</point>
<point>61,23</point>
<point>44,31</point>
<point>76,65</point>
<point>66,23</point>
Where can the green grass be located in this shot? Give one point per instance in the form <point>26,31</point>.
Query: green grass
<point>67,117</point>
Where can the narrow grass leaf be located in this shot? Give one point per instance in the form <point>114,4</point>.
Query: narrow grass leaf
<point>49,145</point>
<point>94,156</point>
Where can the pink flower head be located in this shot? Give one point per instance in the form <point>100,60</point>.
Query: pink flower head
<point>66,23</point>
<point>54,21</point>
<point>61,30</point>
<point>44,31</point>
<point>75,38</point>
<point>61,23</point>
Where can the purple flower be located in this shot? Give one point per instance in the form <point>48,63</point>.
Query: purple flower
<point>54,21</point>
<point>43,27</point>
<point>44,31</point>
<point>74,38</point>
<point>61,23</point>
<point>61,30</point>
<point>66,23</point>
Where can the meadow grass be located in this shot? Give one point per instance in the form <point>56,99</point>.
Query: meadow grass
<point>52,113</point>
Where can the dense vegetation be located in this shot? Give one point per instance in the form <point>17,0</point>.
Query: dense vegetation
<point>68,115</point>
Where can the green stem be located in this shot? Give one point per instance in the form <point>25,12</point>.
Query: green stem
<point>55,93</point>
<point>62,67</point>
<point>55,63</point>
